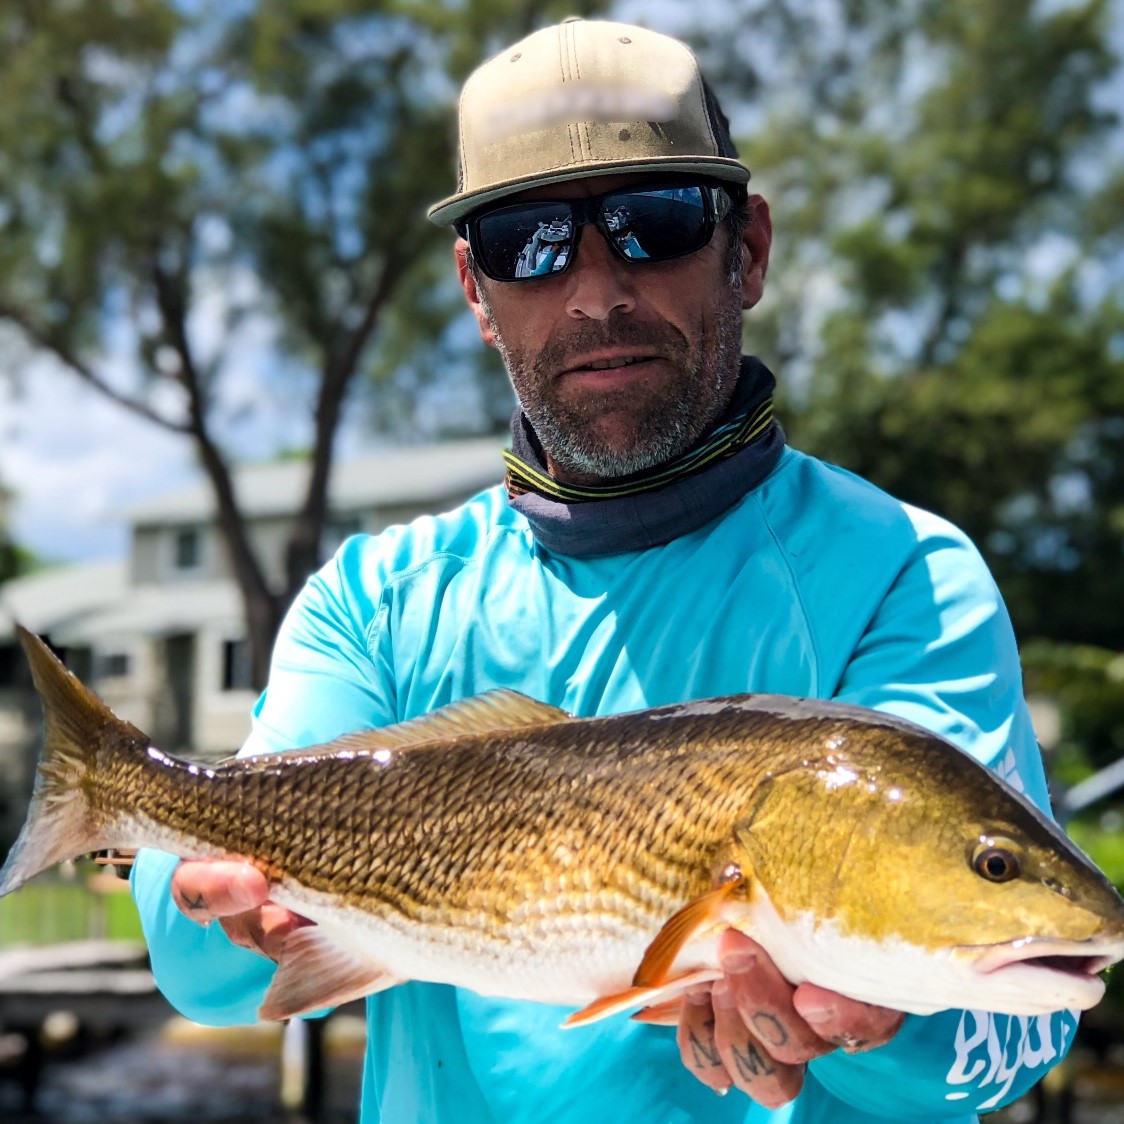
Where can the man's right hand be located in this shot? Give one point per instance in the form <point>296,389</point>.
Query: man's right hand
<point>237,895</point>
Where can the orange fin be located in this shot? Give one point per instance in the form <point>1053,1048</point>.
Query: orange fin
<point>691,921</point>
<point>634,997</point>
<point>661,1014</point>
<point>315,972</point>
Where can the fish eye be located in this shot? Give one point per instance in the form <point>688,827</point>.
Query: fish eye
<point>995,862</point>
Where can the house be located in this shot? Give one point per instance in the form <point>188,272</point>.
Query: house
<point>159,634</point>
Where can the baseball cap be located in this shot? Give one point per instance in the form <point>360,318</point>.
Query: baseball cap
<point>585,98</point>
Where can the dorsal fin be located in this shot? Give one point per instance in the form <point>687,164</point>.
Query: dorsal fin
<point>490,713</point>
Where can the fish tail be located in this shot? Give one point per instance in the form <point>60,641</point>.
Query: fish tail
<point>60,822</point>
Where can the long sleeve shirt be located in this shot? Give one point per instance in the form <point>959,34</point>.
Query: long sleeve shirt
<point>814,584</point>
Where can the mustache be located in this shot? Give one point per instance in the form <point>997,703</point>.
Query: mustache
<point>654,338</point>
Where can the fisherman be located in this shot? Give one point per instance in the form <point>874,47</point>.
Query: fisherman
<point>655,540</point>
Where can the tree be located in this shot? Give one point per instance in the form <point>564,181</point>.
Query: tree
<point>171,173</point>
<point>945,299</point>
<point>14,560</point>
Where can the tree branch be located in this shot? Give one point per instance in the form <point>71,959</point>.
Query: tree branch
<point>302,552</point>
<point>43,339</point>
<point>262,604</point>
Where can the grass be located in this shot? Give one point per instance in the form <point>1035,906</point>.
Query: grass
<point>56,908</point>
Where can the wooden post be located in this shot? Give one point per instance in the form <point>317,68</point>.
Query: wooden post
<point>302,1067</point>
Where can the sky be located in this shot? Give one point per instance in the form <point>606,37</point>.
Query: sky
<point>74,461</point>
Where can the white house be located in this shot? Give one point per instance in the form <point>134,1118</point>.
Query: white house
<point>159,634</point>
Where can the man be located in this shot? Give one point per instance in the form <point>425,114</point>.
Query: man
<point>655,542</point>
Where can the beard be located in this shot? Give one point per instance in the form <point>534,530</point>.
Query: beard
<point>653,424</point>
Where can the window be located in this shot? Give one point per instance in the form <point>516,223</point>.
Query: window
<point>112,665</point>
<point>10,666</point>
<point>187,549</point>
<point>236,671</point>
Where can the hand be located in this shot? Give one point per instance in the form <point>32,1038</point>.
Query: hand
<point>753,1030</point>
<point>237,894</point>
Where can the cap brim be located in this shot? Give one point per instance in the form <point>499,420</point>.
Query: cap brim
<point>456,207</point>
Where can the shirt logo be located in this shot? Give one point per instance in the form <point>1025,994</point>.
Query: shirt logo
<point>991,1063</point>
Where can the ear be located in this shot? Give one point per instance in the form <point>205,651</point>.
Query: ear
<point>756,241</point>
<point>472,292</point>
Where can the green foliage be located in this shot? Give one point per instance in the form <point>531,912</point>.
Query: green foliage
<point>14,559</point>
<point>174,175</point>
<point>50,910</point>
<point>945,297</point>
<point>1088,685</point>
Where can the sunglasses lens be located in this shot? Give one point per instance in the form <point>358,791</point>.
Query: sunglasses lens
<point>525,240</point>
<point>658,225</point>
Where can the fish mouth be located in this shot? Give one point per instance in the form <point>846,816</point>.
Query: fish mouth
<point>1077,960</point>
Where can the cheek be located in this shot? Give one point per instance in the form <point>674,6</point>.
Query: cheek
<point>524,326</point>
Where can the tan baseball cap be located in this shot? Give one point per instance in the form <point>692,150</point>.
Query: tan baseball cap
<point>585,98</point>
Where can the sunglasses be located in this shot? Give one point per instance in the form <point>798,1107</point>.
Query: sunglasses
<point>525,241</point>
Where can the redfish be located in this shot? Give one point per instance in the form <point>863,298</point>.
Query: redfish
<point>502,845</point>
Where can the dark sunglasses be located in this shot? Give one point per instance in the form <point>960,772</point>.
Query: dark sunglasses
<point>525,241</point>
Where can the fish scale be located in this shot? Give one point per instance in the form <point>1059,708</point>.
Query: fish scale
<point>502,845</point>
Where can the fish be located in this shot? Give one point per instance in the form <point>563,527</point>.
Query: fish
<point>502,845</point>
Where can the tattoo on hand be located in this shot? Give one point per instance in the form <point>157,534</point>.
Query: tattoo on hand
<point>752,1063</point>
<point>705,1053</point>
<point>769,1029</point>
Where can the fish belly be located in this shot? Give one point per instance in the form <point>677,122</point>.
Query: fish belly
<point>567,964</point>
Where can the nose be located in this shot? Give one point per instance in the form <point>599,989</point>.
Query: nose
<point>599,282</point>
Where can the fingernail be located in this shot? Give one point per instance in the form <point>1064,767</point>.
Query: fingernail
<point>722,995</point>
<point>739,962</point>
<point>816,1014</point>
<point>699,996</point>
<point>241,900</point>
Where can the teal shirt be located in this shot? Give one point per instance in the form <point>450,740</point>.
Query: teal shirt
<point>814,584</point>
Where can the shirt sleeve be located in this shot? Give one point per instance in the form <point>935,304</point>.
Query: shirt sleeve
<point>940,651</point>
<point>323,683</point>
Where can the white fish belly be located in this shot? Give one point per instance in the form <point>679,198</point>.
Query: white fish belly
<point>573,963</point>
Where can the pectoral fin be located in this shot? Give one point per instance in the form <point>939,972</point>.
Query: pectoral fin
<point>634,997</point>
<point>692,921</point>
<point>315,972</point>
<point>661,1014</point>
<point>654,985</point>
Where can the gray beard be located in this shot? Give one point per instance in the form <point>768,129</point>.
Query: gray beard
<point>668,424</point>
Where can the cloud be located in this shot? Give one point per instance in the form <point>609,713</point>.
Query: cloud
<point>73,460</point>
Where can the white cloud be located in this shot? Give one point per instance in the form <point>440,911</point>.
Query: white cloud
<point>74,459</point>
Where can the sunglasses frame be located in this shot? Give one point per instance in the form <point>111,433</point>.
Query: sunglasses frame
<point>589,211</point>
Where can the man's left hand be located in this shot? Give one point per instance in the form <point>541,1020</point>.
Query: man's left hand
<point>754,1031</point>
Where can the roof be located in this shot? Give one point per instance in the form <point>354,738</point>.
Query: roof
<point>158,610</point>
<point>50,600</point>
<point>405,475</point>
<point>91,602</point>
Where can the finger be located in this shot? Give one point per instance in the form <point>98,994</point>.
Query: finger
<point>763,998</point>
<point>847,1023</point>
<point>696,1041</point>
<point>263,929</point>
<point>207,889</point>
<point>747,1060</point>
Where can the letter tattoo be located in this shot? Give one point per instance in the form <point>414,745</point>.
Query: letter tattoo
<point>194,905</point>
<point>705,1053</point>
<point>769,1029</point>
<point>752,1063</point>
